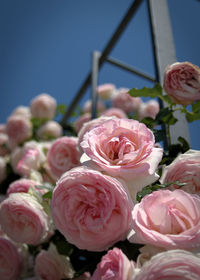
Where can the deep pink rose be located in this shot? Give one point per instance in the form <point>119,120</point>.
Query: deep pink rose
<point>149,109</point>
<point>123,100</point>
<point>114,266</point>
<point>63,155</point>
<point>182,82</point>
<point>23,219</point>
<point>92,210</point>
<point>173,264</point>
<point>52,266</point>
<point>123,148</point>
<point>23,185</point>
<point>50,130</point>
<point>168,219</point>
<point>43,106</point>
<point>185,169</point>
<point>105,91</point>
<point>11,262</point>
<point>114,112</point>
<point>18,129</point>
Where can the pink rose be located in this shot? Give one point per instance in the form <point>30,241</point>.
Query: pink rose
<point>121,99</point>
<point>114,266</point>
<point>105,91</point>
<point>87,107</point>
<point>63,155</point>
<point>88,126</point>
<point>23,219</point>
<point>123,148</point>
<point>23,111</point>
<point>182,82</point>
<point>43,106</point>
<point>50,130</point>
<point>15,156</point>
<point>11,263</point>
<point>92,210</point>
<point>52,266</point>
<point>173,264</point>
<point>23,185</point>
<point>167,219</point>
<point>185,169</point>
<point>2,169</point>
<point>18,129</point>
<point>114,112</point>
<point>149,109</point>
<point>78,124</point>
<point>2,128</point>
<point>84,276</point>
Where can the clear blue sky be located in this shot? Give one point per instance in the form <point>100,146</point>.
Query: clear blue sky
<point>46,46</point>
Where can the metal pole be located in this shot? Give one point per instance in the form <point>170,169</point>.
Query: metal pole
<point>164,52</point>
<point>95,65</point>
<point>121,27</point>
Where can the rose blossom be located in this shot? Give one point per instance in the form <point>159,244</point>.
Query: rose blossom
<point>185,169</point>
<point>105,91</point>
<point>63,155</point>
<point>123,100</point>
<point>49,130</point>
<point>52,266</point>
<point>2,128</point>
<point>172,264</point>
<point>11,263</point>
<point>88,126</point>
<point>3,144</point>
<point>23,219</point>
<point>149,109</point>
<point>92,210</point>
<point>84,276</point>
<point>168,219</point>
<point>23,111</point>
<point>43,106</point>
<point>87,107</point>
<point>114,112</point>
<point>18,129</point>
<point>78,124</point>
<point>23,185</point>
<point>123,148</point>
<point>182,82</point>
<point>114,266</point>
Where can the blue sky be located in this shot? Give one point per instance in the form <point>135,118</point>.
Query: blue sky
<point>46,46</point>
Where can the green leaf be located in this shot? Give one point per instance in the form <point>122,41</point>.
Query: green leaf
<point>166,116</point>
<point>48,195</point>
<point>160,135</point>
<point>64,248</point>
<point>61,109</point>
<point>185,145</point>
<point>190,117</point>
<point>196,107</point>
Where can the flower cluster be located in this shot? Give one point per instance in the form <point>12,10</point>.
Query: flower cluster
<point>102,199</point>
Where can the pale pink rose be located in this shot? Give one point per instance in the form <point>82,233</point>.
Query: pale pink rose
<point>114,266</point>
<point>23,111</point>
<point>114,112</point>
<point>18,129</point>
<point>78,124</point>
<point>2,169</point>
<point>88,126</point>
<point>43,106</point>
<point>92,210</point>
<point>50,130</point>
<point>173,264</point>
<point>15,156</point>
<point>2,128</point>
<point>52,266</point>
<point>11,262</point>
<point>3,144</point>
<point>23,219</point>
<point>149,109</point>
<point>63,155</point>
<point>87,107</point>
<point>23,185</point>
<point>121,99</point>
<point>146,253</point>
<point>105,91</point>
<point>123,148</point>
<point>168,219</point>
<point>185,169</point>
<point>182,82</point>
